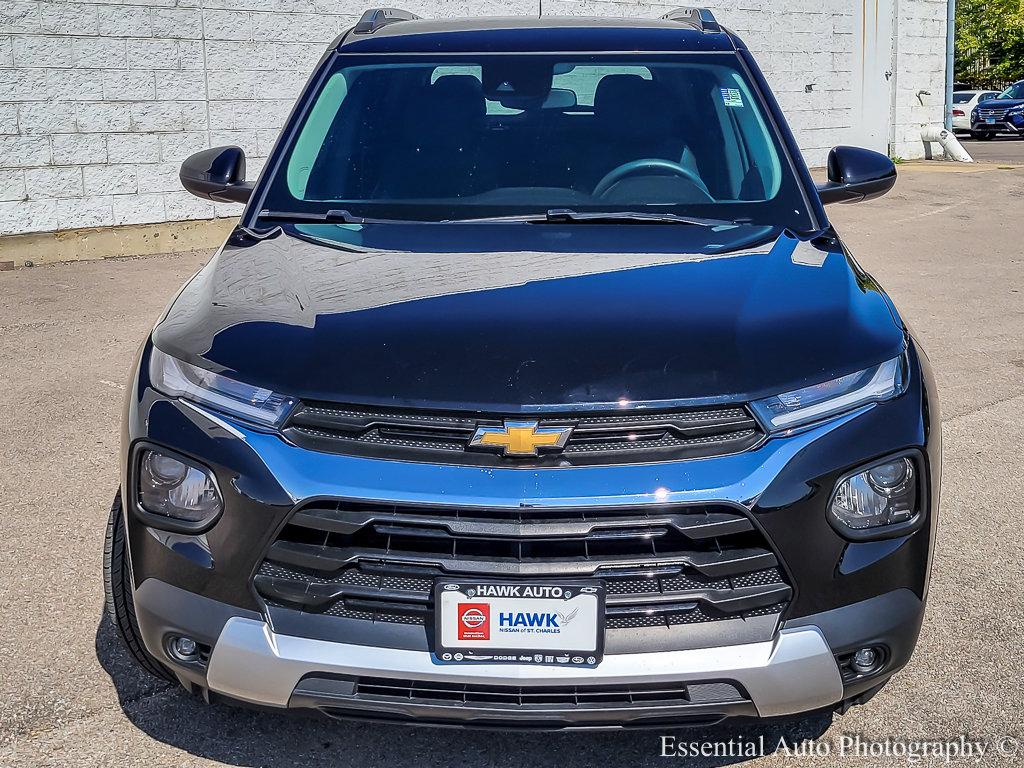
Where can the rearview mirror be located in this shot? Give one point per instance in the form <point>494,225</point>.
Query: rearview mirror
<point>217,174</point>
<point>856,174</point>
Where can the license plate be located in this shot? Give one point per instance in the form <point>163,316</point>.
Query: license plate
<point>990,120</point>
<point>551,622</point>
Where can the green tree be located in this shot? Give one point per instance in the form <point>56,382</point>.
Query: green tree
<point>989,42</point>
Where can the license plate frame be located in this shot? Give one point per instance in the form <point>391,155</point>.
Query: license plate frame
<point>531,603</point>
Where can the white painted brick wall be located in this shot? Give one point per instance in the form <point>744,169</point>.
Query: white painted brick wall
<point>921,29</point>
<point>100,100</point>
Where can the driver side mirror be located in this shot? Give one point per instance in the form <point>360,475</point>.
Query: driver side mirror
<point>217,174</point>
<point>856,174</point>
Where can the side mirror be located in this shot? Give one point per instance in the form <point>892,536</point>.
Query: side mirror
<point>856,174</point>
<point>217,174</point>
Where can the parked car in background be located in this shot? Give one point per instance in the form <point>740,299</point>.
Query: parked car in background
<point>1002,114</point>
<point>964,103</point>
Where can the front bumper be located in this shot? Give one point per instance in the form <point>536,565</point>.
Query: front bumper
<point>1000,126</point>
<point>795,672</point>
<point>846,595</point>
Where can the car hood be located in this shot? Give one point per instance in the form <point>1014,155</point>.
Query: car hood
<point>532,316</point>
<point>1000,103</point>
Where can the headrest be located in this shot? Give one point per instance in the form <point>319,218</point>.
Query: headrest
<point>635,105</point>
<point>461,96</point>
<point>613,94</point>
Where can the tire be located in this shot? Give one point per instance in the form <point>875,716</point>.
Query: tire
<point>982,135</point>
<point>120,606</point>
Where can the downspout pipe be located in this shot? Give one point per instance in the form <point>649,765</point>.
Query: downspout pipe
<point>950,37</point>
<point>952,148</point>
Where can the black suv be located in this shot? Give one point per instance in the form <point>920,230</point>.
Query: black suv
<point>533,388</point>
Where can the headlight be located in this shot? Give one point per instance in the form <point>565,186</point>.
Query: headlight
<point>181,491</point>
<point>974,115</point>
<point>819,401</point>
<point>180,379</point>
<point>868,503</point>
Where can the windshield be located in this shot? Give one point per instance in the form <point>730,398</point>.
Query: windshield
<point>506,135</point>
<point>1015,91</point>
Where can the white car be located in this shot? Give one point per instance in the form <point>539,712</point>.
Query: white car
<point>963,103</point>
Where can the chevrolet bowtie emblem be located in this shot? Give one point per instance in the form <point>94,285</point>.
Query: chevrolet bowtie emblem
<point>521,438</point>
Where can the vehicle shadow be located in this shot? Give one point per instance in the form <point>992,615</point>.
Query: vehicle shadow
<point>243,737</point>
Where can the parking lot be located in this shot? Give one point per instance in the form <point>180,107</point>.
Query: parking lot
<point>946,243</point>
<point>1001,149</point>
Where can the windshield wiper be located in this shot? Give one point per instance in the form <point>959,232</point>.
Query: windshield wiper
<point>553,216</point>
<point>335,216</point>
<point>567,215</point>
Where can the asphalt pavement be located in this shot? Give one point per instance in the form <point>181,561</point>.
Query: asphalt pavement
<point>946,243</point>
<point>1001,149</point>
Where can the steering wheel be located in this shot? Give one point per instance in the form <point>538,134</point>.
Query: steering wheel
<point>634,167</point>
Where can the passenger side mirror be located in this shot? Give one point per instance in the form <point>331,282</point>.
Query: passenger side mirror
<point>217,174</point>
<point>856,174</point>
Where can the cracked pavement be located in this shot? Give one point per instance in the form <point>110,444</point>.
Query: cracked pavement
<point>945,244</point>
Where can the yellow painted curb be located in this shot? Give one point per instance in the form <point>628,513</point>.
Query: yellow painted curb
<point>107,242</point>
<point>951,166</point>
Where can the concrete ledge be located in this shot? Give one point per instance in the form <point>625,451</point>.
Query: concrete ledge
<point>105,242</point>
<point>951,166</point>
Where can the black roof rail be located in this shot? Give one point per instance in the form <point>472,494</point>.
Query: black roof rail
<point>375,18</point>
<point>701,18</point>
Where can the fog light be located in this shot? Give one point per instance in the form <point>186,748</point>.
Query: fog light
<point>184,649</point>
<point>865,661</point>
<point>173,488</point>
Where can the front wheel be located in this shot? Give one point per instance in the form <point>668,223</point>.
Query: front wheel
<point>117,584</point>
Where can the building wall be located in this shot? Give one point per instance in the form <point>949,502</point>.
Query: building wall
<point>100,100</point>
<point>920,72</point>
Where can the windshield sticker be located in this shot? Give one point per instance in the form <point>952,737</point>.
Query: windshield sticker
<point>731,97</point>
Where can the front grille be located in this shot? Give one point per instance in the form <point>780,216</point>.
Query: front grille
<point>596,438</point>
<point>662,565</point>
<point>998,113</point>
